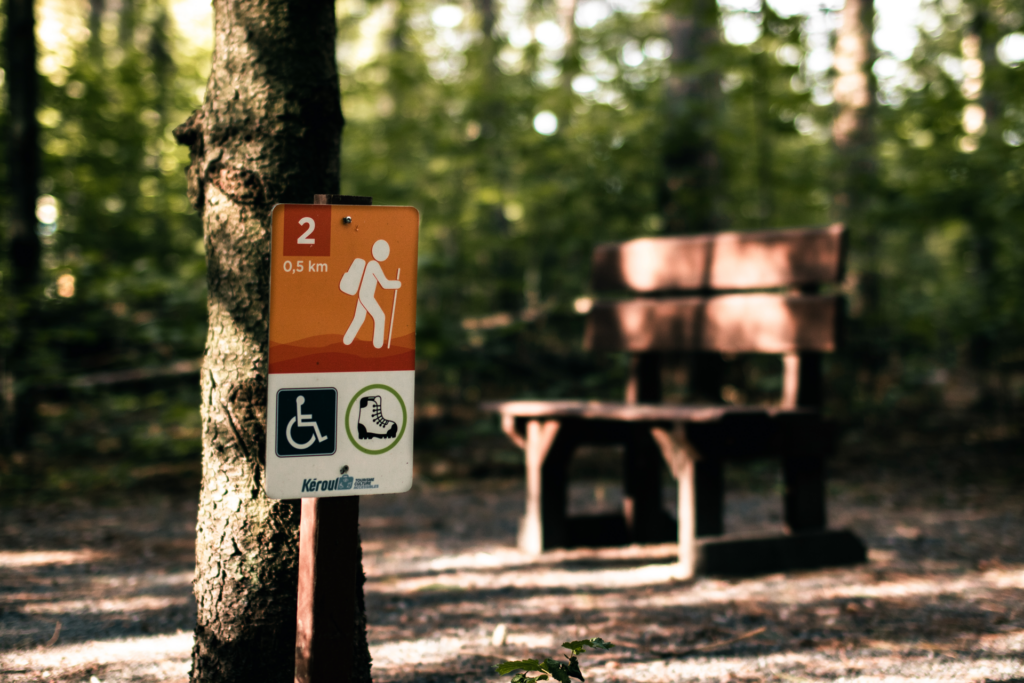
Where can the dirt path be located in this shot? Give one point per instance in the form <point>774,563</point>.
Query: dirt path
<point>942,598</point>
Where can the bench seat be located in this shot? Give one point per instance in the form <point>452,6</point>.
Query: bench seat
<point>630,412</point>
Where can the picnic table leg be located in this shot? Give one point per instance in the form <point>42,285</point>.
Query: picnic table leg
<point>540,437</point>
<point>642,507</point>
<point>804,499</point>
<point>804,472</point>
<point>681,459</point>
<point>687,516</point>
<point>710,493</point>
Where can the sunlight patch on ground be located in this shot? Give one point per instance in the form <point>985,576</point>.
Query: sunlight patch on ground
<point>12,559</point>
<point>809,588</point>
<point>422,651</point>
<point>164,657</point>
<point>531,576</point>
<point>110,606</point>
<point>810,667</point>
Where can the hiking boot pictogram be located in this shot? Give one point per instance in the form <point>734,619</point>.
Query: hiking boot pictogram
<point>372,423</point>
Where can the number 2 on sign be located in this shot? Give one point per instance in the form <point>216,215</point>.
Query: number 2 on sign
<point>305,237</point>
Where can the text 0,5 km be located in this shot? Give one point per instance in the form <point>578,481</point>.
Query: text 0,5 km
<point>301,266</point>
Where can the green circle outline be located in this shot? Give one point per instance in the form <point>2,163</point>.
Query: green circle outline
<point>348,412</point>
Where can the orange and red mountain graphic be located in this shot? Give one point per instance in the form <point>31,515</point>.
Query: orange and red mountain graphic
<point>328,353</point>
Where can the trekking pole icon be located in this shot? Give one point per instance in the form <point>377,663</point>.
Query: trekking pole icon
<point>301,420</point>
<point>394,302</point>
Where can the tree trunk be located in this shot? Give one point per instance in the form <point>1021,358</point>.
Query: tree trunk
<point>855,180</point>
<point>693,99</point>
<point>853,133</point>
<point>23,175</point>
<point>689,191</point>
<point>854,87</point>
<point>268,132</point>
<point>978,49</point>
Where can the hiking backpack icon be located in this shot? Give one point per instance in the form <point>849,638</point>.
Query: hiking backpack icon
<point>351,279</point>
<point>372,423</point>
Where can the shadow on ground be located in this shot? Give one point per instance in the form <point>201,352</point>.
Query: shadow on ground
<point>942,597</point>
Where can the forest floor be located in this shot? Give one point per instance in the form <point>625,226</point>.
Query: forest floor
<point>102,592</point>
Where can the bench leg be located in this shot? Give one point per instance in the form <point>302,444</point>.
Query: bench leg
<point>804,501</point>
<point>543,525</point>
<point>681,459</point>
<point>687,517</point>
<point>641,502</point>
<point>710,502</point>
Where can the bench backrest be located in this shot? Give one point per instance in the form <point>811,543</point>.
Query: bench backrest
<point>691,292</point>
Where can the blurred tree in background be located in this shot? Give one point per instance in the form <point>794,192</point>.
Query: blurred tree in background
<point>527,131</point>
<point>120,310</point>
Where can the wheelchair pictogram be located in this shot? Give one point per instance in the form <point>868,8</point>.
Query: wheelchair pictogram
<point>303,421</point>
<point>307,420</point>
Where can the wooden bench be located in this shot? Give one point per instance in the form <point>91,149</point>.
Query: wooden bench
<point>692,294</point>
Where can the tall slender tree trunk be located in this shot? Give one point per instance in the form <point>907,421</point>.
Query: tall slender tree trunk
<point>689,199</point>
<point>268,132</point>
<point>855,184</point>
<point>853,133</point>
<point>23,176</point>
<point>978,48</point>
<point>566,10</point>
<point>854,88</point>
<point>762,120</point>
<point>693,100</point>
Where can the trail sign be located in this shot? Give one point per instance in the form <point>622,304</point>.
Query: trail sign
<point>342,350</point>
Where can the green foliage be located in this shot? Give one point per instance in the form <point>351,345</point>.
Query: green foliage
<point>550,668</point>
<point>123,273</point>
<point>440,115</point>
<point>442,119</point>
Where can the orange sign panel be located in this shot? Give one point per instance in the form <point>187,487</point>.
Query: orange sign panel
<point>343,294</point>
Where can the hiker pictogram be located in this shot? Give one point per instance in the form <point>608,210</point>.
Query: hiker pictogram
<point>372,423</point>
<point>362,278</point>
<point>304,421</point>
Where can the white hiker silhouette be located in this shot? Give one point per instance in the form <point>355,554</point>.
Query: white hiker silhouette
<point>373,275</point>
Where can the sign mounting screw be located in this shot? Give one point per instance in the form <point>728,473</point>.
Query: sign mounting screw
<point>346,220</point>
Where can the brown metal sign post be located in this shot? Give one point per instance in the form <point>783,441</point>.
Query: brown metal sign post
<point>339,408</point>
<point>328,575</point>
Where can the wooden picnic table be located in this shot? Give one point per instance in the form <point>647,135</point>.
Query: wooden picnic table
<point>688,296</point>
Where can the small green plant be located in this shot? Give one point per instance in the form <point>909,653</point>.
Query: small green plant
<point>549,668</point>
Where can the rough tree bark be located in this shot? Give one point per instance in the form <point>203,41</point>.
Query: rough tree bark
<point>269,131</point>
<point>23,179</point>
